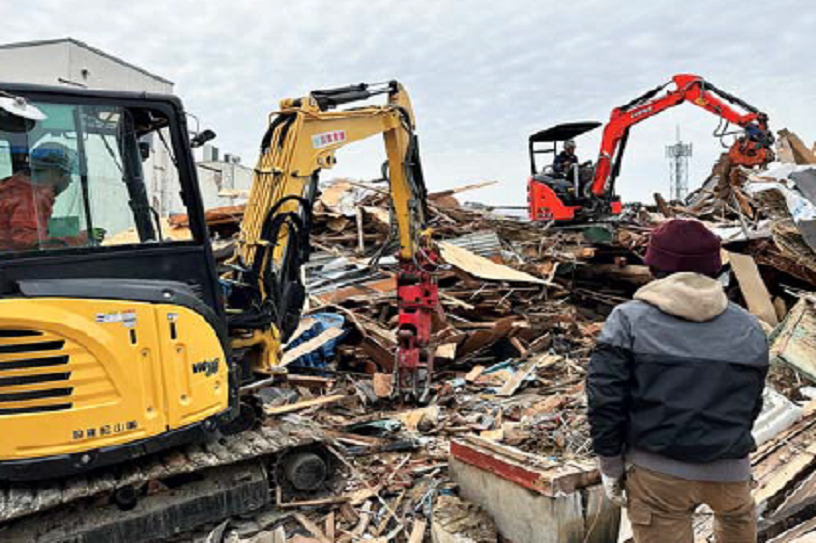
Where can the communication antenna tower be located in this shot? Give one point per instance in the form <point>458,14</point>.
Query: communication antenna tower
<point>678,155</point>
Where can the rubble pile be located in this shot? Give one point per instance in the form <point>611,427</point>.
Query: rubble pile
<point>523,303</point>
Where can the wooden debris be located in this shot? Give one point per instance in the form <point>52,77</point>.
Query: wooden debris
<point>312,528</point>
<point>483,268</point>
<point>289,408</point>
<point>383,384</point>
<point>753,288</point>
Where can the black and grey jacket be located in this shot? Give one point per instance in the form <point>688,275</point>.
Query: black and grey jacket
<point>676,381</point>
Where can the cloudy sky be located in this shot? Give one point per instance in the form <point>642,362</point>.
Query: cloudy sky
<point>483,75</point>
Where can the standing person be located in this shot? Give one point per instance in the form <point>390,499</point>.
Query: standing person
<point>674,386</point>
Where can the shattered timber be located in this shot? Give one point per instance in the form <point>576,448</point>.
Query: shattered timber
<point>501,452</point>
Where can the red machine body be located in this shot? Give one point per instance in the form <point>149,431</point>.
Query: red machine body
<point>545,205</point>
<point>598,198</point>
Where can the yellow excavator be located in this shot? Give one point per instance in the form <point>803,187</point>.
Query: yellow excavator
<point>122,349</point>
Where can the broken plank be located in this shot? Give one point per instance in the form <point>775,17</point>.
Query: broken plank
<point>753,288</point>
<point>418,531</point>
<point>474,374</point>
<point>311,345</point>
<point>330,527</point>
<point>484,268</point>
<point>800,151</point>
<point>312,528</point>
<point>309,381</point>
<point>360,233</point>
<point>325,400</point>
<point>331,500</point>
<point>527,470</point>
<point>795,341</point>
<point>789,472</point>
<point>513,384</point>
<point>383,384</point>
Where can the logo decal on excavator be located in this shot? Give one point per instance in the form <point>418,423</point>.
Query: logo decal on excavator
<point>642,112</point>
<point>325,139</point>
<point>207,367</point>
<point>127,318</point>
<point>105,430</point>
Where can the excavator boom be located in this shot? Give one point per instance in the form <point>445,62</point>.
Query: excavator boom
<point>688,88</point>
<point>266,293</point>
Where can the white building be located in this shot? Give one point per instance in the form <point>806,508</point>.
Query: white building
<point>73,63</point>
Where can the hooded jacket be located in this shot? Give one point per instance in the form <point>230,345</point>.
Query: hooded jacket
<point>677,374</point>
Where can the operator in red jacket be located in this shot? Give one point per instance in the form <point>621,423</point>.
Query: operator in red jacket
<point>27,197</point>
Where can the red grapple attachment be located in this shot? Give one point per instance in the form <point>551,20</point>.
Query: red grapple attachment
<point>418,300</point>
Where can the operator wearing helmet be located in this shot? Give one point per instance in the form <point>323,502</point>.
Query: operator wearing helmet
<point>27,197</point>
<point>566,159</point>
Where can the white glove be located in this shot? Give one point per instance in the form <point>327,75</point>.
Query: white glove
<point>613,487</point>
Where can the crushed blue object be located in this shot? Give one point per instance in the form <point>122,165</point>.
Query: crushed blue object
<point>319,358</point>
<point>500,366</point>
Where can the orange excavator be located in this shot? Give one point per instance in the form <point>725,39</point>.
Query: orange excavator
<point>586,192</point>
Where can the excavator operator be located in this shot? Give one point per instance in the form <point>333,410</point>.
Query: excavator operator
<point>565,160</point>
<point>27,196</point>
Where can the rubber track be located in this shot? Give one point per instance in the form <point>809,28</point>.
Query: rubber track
<point>20,500</point>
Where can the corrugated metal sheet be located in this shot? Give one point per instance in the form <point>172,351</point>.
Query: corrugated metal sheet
<point>484,243</point>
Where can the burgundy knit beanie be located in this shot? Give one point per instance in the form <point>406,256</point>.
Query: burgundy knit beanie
<point>684,246</point>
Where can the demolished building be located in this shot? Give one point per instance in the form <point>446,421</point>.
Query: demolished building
<point>503,449</point>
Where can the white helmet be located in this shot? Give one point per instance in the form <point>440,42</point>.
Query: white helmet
<point>569,144</point>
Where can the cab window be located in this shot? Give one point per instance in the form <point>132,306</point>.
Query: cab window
<point>76,179</point>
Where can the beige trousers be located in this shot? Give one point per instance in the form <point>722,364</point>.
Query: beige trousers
<point>661,508</point>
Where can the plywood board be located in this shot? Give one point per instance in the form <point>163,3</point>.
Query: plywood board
<point>483,268</point>
<point>753,288</point>
<point>795,343</point>
<point>312,345</point>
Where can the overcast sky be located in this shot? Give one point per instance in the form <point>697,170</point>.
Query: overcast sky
<point>483,75</point>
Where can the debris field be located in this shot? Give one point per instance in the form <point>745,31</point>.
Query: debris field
<point>523,302</point>
<point>501,452</point>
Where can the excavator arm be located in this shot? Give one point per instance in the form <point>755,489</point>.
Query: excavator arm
<point>265,290</point>
<point>750,150</point>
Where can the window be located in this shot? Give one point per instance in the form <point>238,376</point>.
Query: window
<point>5,160</point>
<point>76,178</point>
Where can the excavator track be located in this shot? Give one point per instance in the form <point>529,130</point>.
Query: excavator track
<point>23,507</point>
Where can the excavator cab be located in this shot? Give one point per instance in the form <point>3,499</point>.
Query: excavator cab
<point>553,195</point>
<point>112,336</point>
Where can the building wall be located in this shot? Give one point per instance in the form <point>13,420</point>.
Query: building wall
<point>217,178</point>
<point>71,63</point>
<point>100,72</point>
<point>40,65</point>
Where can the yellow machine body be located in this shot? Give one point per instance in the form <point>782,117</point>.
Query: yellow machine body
<point>82,374</point>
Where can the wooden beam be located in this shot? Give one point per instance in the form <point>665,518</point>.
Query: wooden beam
<point>312,528</point>
<point>418,531</point>
<point>325,400</point>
